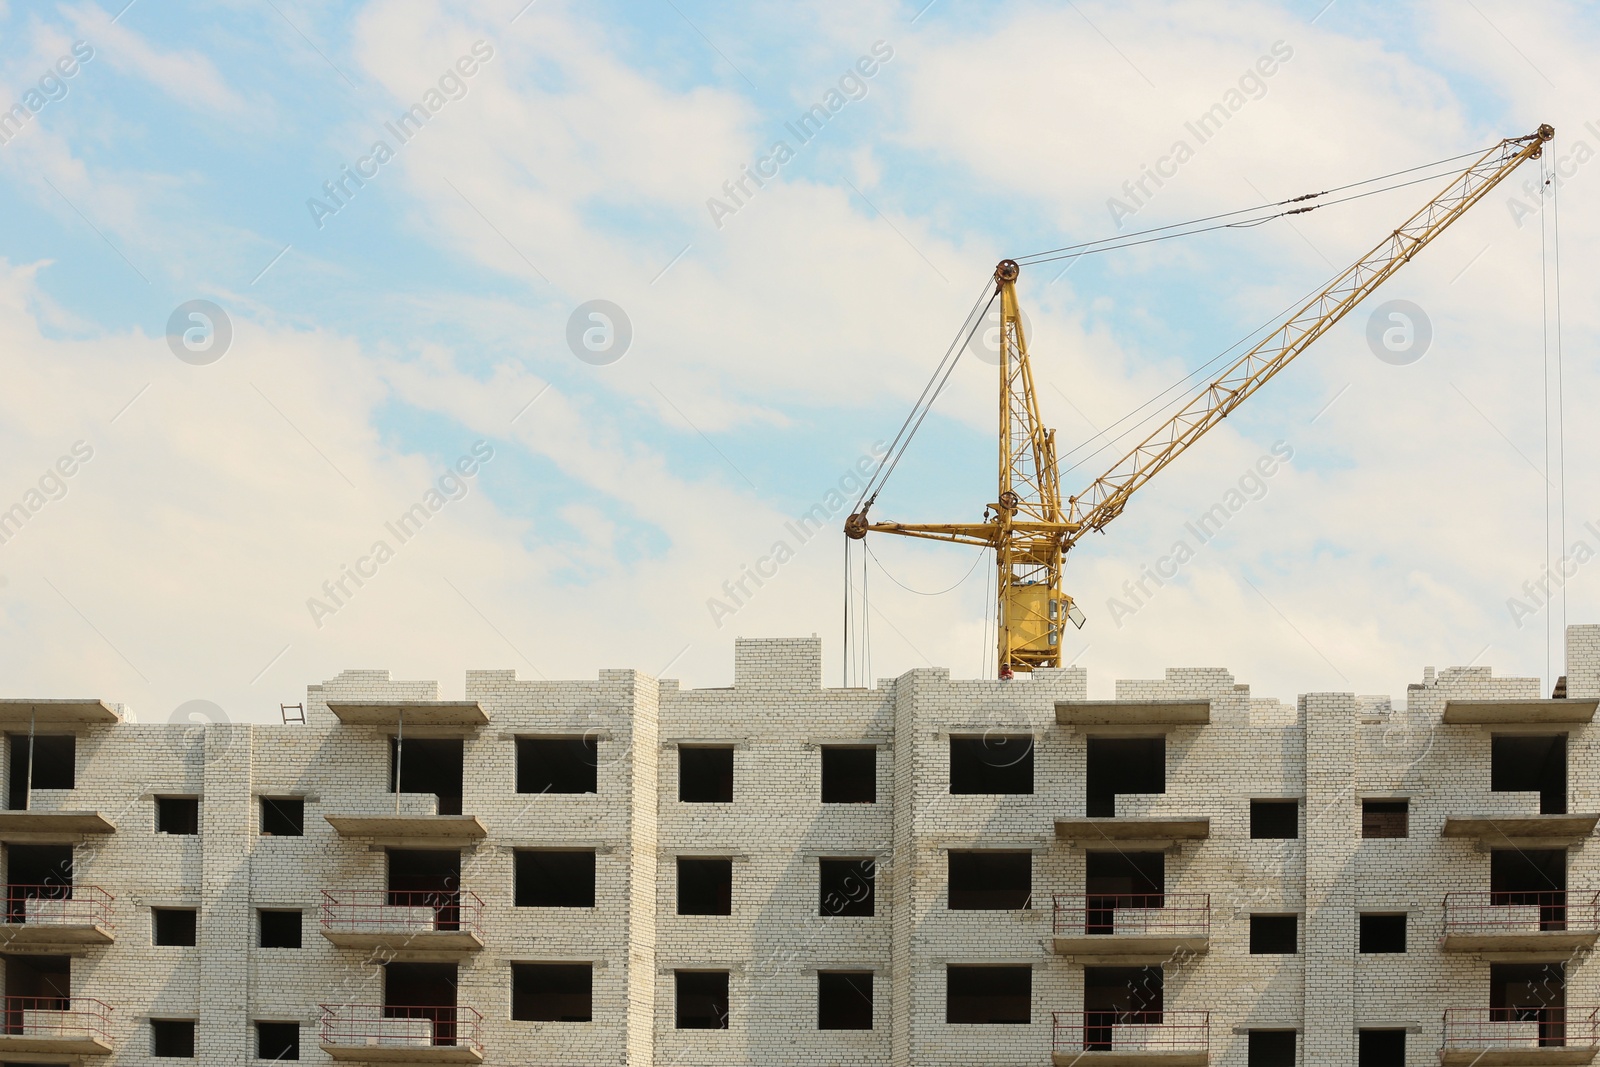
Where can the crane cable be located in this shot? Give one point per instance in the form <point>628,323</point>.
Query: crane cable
<point>989,639</point>
<point>1036,257</point>
<point>930,393</point>
<point>959,582</point>
<point>857,637</point>
<point>1202,368</point>
<point>1233,347</point>
<point>1544,325</point>
<point>1550,272</point>
<point>1245,224</point>
<point>844,667</point>
<point>1561,374</point>
<point>941,374</point>
<point>866,626</point>
<point>891,459</point>
<point>1127,240</point>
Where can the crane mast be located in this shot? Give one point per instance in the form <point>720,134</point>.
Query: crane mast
<point>1026,525</point>
<point>1028,553</point>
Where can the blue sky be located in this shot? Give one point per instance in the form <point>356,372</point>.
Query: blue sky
<point>575,163</point>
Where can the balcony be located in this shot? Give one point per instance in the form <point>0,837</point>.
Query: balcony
<point>33,826</point>
<point>1131,1038</point>
<point>411,713</point>
<point>1550,925</point>
<point>412,831</point>
<point>55,1027</point>
<point>1512,1037</point>
<point>1531,712</point>
<point>388,1033</point>
<point>1153,925</point>
<point>19,710</point>
<point>67,919</point>
<point>412,925</point>
<point>1513,831</point>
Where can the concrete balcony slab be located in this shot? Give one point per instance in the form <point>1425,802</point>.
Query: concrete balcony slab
<point>1507,831</point>
<point>39,826</point>
<point>44,1048</point>
<point>1513,1057</point>
<point>375,1033</point>
<point>415,947</point>
<point>57,712</point>
<point>65,940</point>
<point>418,830</point>
<point>1512,712</point>
<point>1534,946</point>
<point>1131,1059</point>
<point>420,713</point>
<point>376,1053</point>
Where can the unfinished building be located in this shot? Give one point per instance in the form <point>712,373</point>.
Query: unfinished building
<point>930,871</point>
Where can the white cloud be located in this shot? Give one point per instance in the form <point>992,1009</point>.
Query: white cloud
<point>205,520</point>
<point>188,77</point>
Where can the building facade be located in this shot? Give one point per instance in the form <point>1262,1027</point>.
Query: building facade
<point>928,872</point>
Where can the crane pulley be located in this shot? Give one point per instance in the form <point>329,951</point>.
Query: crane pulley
<point>1027,525</point>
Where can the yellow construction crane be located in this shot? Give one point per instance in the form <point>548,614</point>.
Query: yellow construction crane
<point>1027,525</point>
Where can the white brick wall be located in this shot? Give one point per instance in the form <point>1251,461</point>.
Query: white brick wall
<point>1328,749</point>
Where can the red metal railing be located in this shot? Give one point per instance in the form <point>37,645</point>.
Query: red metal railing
<point>1521,913</point>
<point>1130,1031</point>
<point>1134,915</point>
<point>1521,1028</point>
<point>401,912</point>
<point>400,1026</point>
<point>58,905</point>
<point>67,1018</point>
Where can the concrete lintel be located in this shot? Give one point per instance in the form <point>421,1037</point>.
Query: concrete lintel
<point>875,741</point>
<point>1133,712</point>
<point>1088,832</point>
<point>599,848</point>
<point>559,729</point>
<point>433,829</point>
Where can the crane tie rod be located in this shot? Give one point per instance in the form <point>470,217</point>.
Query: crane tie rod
<point>930,393</point>
<point>1124,240</point>
<point>1243,224</point>
<point>941,374</point>
<point>1110,438</point>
